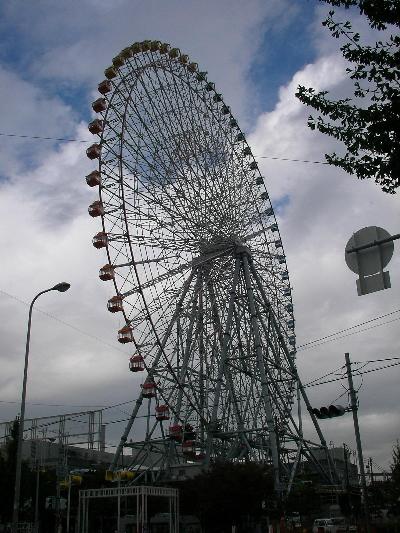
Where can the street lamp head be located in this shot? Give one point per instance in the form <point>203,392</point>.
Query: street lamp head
<point>61,287</point>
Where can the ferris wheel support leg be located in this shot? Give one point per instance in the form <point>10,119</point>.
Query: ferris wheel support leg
<point>332,468</point>
<point>228,375</point>
<point>201,363</point>
<point>300,443</point>
<point>187,352</point>
<point>264,383</point>
<point>224,352</point>
<point>297,427</point>
<point>139,401</point>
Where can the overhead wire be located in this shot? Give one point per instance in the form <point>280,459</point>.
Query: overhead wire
<point>329,338</point>
<point>313,343</point>
<point>350,334</point>
<point>39,138</point>
<point>63,139</point>
<point>301,346</point>
<point>355,372</point>
<point>98,339</point>
<point>313,383</point>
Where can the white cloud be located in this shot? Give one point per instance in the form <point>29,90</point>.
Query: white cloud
<point>27,110</point>
<point>325,206</point>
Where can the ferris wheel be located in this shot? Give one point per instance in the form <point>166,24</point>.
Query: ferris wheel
<point>197,262</point>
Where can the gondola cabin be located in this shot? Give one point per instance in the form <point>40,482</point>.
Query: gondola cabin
<point>94,151</point>
<point>93,179</point>
<point>100,240</point>
<point>107,273</point>
<point>162,412</point>
<point>175,432</point>
<point>136,363</point>
<point>188,448</point>
<point>99,105</point>
<point>114,304</point>
<point>96,126</point>
<point>104,87</point>
<point>189,432</point>
<point>149,389</point>
<point>96,209</point>
<point>125,335</point>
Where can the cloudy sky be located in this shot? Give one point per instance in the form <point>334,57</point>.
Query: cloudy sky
<point>52,55</point>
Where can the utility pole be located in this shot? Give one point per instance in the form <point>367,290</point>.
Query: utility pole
<point>346,468</point>
<point>371,473</point>
<point>354,408</point>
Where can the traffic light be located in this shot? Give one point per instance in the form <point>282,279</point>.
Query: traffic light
<point>329,412</point>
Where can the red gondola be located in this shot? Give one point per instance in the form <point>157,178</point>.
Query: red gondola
<point>107,273</point>
<point>136,363</point>
<point>96,126</point>
<point>94,178</point>
<point>114,304</point>
<point>99,105</point>
<point>100,240</point>
<point>175,432</point>
<point>125,335</point>
<point>94,151</point>
<point>149,389</point>
<point>96,209</point>
<point>188,448</point>
<point>162,412</point>
<point>104,87</point>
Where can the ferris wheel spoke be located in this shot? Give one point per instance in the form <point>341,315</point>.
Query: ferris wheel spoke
<point>189,111</point>
<point>166,123</point>
<point>190,127</point>
<point>152,199</point>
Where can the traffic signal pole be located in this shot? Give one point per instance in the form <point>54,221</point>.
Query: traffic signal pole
<point>354,408</point>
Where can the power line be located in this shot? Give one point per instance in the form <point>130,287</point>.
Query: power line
<point>302,346</point>
<point>39,138</point>
<point>350,334</point>
<point>98,339</point>
<point>292,160</point>
<point>355,373</point>
<point>63,139</point>
<point>364,363</point>
<point>375,360</point>
<point>54,404</point>
<point>310,344</point>
<point>98,406</point>
<point>332,372</point>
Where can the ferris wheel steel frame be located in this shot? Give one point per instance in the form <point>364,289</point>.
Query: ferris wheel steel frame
<point>195,255</point>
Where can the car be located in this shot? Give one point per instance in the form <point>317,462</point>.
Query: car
<point>332,525</point>
<point>294,520</point>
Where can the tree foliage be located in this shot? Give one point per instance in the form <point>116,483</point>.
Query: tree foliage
<point>395,484</point>
<point>7,475</point>
<point>369,123</point>
<point>228,494</point>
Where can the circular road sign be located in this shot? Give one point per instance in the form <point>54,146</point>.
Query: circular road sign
<point>370,260</point>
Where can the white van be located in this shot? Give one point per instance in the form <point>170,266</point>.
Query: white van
<point>331,525</point>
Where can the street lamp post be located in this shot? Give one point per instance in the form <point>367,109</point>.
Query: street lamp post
<point>61,287</point>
